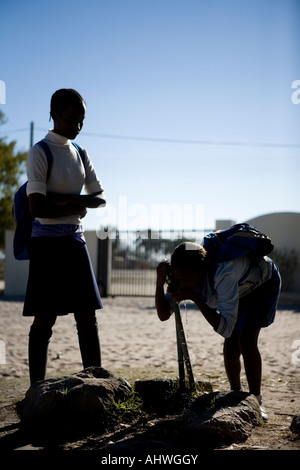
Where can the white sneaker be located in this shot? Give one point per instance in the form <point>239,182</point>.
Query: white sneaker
<point>262,409</point>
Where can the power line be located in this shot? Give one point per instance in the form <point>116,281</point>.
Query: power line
<point>14,131</point>
<point>172,141</point>
<point>195,142</point>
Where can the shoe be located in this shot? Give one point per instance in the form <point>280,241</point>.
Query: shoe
<point>262,409</point>
<point>263,413</point>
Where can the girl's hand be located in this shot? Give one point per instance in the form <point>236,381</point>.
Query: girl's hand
<point>63,199</point>
<point>82,212</point>
<point>161,272</point>
<point>59,198</point>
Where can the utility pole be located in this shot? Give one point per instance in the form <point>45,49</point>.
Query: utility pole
<point>31,133</point>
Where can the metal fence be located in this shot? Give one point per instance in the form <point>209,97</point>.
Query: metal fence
<point>132,258</point>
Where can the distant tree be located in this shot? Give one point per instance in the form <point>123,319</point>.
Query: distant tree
<point>12,166</point>
<point>288,261</point>
<point>163,243</point>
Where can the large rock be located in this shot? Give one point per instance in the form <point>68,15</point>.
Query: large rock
<point>76,400</point>
<point>214,420</point>
<point>222,418</point>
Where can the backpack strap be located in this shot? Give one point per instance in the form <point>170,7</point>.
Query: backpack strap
<point>49,155</point>
<point>80,151</point>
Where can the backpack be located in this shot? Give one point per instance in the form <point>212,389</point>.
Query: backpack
<point>21,211</point>
<point>236,241</point>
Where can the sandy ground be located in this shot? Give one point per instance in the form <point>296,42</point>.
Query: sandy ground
<point>135,341</point>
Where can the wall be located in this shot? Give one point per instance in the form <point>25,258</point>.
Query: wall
<point>15,272</point>
<point>284,230</point>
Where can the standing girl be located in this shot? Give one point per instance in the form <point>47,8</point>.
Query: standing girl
<point>61,279</point>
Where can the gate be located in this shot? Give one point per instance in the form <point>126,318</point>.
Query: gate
<point>127,263</point>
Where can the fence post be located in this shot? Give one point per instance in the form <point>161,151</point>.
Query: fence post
<point>104,266</point>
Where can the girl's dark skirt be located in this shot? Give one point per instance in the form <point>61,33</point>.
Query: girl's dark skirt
<point>258,308</point>
<point>61,278</point>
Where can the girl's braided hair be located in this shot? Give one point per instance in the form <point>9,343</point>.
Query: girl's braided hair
<point>66,98</point>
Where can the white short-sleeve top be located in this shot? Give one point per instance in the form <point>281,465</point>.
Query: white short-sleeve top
<point>68,174</point>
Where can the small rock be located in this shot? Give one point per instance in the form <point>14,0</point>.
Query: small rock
<point>156,392</point>
<point>295,426</point>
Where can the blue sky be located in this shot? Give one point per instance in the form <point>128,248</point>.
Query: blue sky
<point>189,102</point>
